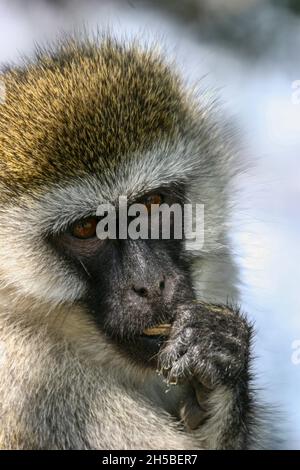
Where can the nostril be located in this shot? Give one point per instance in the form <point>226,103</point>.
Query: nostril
<point>141,291</point>
<point>155,288</point>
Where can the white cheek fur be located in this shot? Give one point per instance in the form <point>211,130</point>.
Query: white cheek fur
<point>29,266</point>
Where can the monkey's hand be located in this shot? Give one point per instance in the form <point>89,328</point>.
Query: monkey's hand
<point>209,347</point>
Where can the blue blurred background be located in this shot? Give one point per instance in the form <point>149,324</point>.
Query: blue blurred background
<point>248,51</point>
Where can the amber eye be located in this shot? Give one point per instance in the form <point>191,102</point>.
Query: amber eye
<point>153,199</point>
<point>85,228</point>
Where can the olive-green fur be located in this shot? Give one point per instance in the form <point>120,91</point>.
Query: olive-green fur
<point>82,107</point>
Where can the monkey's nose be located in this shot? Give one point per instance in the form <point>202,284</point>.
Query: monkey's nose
<point>149,289</point>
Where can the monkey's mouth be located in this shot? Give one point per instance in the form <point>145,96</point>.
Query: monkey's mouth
<point>152,339</point>
<point>145,346</point>
<point>155,336</point>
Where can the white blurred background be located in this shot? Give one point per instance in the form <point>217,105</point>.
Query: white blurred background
<point>248,50</point>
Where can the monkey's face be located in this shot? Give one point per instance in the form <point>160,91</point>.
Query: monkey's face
<point>131,285</point>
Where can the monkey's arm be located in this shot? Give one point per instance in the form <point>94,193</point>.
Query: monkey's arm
<point>209,347</point>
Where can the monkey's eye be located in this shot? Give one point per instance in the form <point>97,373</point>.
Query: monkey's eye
<point>153,199</point>
<point>85,228</point>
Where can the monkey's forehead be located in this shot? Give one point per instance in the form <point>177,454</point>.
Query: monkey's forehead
<point>85,109</point>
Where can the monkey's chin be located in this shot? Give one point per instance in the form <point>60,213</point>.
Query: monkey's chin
<point>143,348</point>
<point>151,341</point>
<point>146,349</point>
<point>150,347</point>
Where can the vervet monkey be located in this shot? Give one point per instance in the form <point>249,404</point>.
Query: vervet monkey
<point>81,125</point>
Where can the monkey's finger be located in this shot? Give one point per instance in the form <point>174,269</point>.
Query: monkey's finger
<point>180,370</point>
<point>168,357</point>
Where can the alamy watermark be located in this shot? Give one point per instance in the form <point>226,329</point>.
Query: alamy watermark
<point>157,222</point>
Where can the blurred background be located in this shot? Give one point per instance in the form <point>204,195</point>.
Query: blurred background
<point>248,51</point>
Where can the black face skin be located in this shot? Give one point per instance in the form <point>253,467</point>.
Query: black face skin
<point>139,286</point>
<point>133,285</point>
